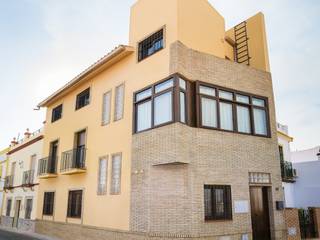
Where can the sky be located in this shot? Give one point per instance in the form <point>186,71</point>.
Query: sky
<point>44,44</point>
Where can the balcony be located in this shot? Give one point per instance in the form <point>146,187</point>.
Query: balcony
<point>28,178</point>
<point>73,161</point>
<point>47,167</point>
<point>288,173</point>
<point>8,182</point>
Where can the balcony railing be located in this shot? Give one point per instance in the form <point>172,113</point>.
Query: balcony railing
<point>47,166</point>
<point>8,182</point>
<point>73,160</point>
<point>288,173</point>
<point>28,178</point>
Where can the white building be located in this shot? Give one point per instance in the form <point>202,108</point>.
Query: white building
<point>3,167</point>
<point>19,208</point>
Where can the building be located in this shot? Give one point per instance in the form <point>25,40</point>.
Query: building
<point>307,164</point>
<point>3,168</point>
<point>288,173</point>
<point>21,184</point>
<point>171,136</point>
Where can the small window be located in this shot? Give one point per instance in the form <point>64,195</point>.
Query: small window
<point>56,113</point>
<point>163,86</point>
<point>226,95</point>
<point>102,176</point>
<point>207,91</point>
<point>48,202</point>
<point>217,202</point>
<point>242,99</point>
<point>258,102</point>
<point>106,108</point>
<point>75,204</point>
<point>144,94</point>
<point>83,99</point>
<point>116,174</point>
<point>8,210</point>
<point>28,208</point>
<point>119,102</point>
<point>151,45</point>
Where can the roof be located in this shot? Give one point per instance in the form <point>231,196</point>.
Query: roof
<point>103,63</point>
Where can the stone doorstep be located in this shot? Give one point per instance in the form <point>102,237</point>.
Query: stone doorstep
<point>29,234</point>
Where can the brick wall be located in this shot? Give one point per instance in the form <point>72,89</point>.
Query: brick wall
<point>292,222</point>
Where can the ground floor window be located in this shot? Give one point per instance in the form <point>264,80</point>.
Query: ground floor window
<point>8,210</point>
<point>48,202</point>
<point>28,208</point>
<point>75,204</point>
<point>217,202</point>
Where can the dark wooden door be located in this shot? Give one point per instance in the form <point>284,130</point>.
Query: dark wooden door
<point>260,213</point>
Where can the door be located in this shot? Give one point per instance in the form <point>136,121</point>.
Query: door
<point>16,213</point>
<point>260,213</point>
<point>53,157</point>
<point>80,148</point>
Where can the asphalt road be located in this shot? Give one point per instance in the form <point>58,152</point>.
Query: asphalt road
<point>4,235</point>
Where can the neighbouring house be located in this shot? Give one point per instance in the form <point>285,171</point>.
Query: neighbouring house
<point>21,184</point>
<point>171,136</point>
<point>3,168</point>
<point>288,173</point>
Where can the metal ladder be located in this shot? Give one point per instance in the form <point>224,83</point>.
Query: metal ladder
<point>241,44</point>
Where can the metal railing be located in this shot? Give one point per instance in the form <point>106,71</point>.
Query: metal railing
<point>288,173</point>
<point>47,165</point>
<point>73,159</point>
<point>8,182</point>
<point>28,178</point>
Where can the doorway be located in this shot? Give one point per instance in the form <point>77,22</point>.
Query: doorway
<point>16,214</point>
<point>260,213</point>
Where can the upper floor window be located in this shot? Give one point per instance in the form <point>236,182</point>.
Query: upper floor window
<point>8,209</point>
<point>74,204</point>
<point>151,45</point>
<point>83,99</point>
<point>106,108</point>
<point>102,175</point>
<point>217,202</point>
<point>56,113</point>
<point>119,102</point>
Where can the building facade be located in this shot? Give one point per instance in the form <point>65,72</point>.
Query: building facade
<point>3,168</point>
<point>21,184</point>
<point>172,136</point>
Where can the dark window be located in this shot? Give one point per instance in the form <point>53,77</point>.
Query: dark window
<point>217,202</point>
<point>48,202</point>
<point>56,113</point>
<point>151,45</point>
<point>75,204</point>
<point>28,208</point>
<point>281,153</point>
<point>8,210</point>
<point>83,99</point>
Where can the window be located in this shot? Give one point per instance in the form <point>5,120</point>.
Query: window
<point>116,174</point>
<point>150,45</point>
<point>106,107</point>
<point>56,113</point>
<point>281,153</point>
<point>102,176</point>
<point>182,100</point>
<point>83,99</point>
<point>154,105</point>
<point>48,202</point>
<point>8,210</point>
<point>232,111</point>
<point>74,204</point>
<point>217,202</point>
<point>119,102</point>
<point>256,177</point>
<point>28,209</point>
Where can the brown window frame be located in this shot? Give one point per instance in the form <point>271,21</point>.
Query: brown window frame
<point>48,203</point>
<point>227,202</point>
<point>234,104</point>
<point>55,116</point>
<point>150,40</point>
<point>72,197</point>
<point>83,94</point>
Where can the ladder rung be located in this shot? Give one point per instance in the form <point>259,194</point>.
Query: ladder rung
<point>244,23</point>
<point>243,58</point>
<point>242,41</point>
<point>241,47</point>
<point>238,33</point>
<point>238,53</point>
<point>241,37</point>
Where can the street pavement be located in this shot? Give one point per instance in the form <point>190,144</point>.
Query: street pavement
<point>5,235</point>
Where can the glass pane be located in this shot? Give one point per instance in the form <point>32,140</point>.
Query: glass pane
<point>163,108</point>
<point>260,121</point>
<point>226,95</point>
<point>242,98</point>
<point>164,85</point>
<point>208,202</point>
<point>143,116</point>
<point>208,112</point>
<point>144,94</point>
<point>219,210</point>
<point>103,171</point>
<point>182,84</point>
<point>226,118</point>
<point>258,102</point>
<point>182,107</point>
<point>243,117</point>
<point>116,174</point>
<point>119,102</point>
<point>106,108</point>
<point>207,91</point>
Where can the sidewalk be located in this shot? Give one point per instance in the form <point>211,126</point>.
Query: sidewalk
<point>29,234</point>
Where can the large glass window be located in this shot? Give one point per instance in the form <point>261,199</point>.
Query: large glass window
<point>226,116</point>
<point>163,108</point>
<point>208,112</point>
<point>243,119</point>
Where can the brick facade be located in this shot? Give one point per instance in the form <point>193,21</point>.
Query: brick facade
<point>292,222</point>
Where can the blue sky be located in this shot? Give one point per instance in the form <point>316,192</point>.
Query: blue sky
<point>44,44</point>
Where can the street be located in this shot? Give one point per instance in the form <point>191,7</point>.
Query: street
<point>4,235</point>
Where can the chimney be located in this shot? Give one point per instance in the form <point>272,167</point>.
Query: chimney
<point>14,142</point>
